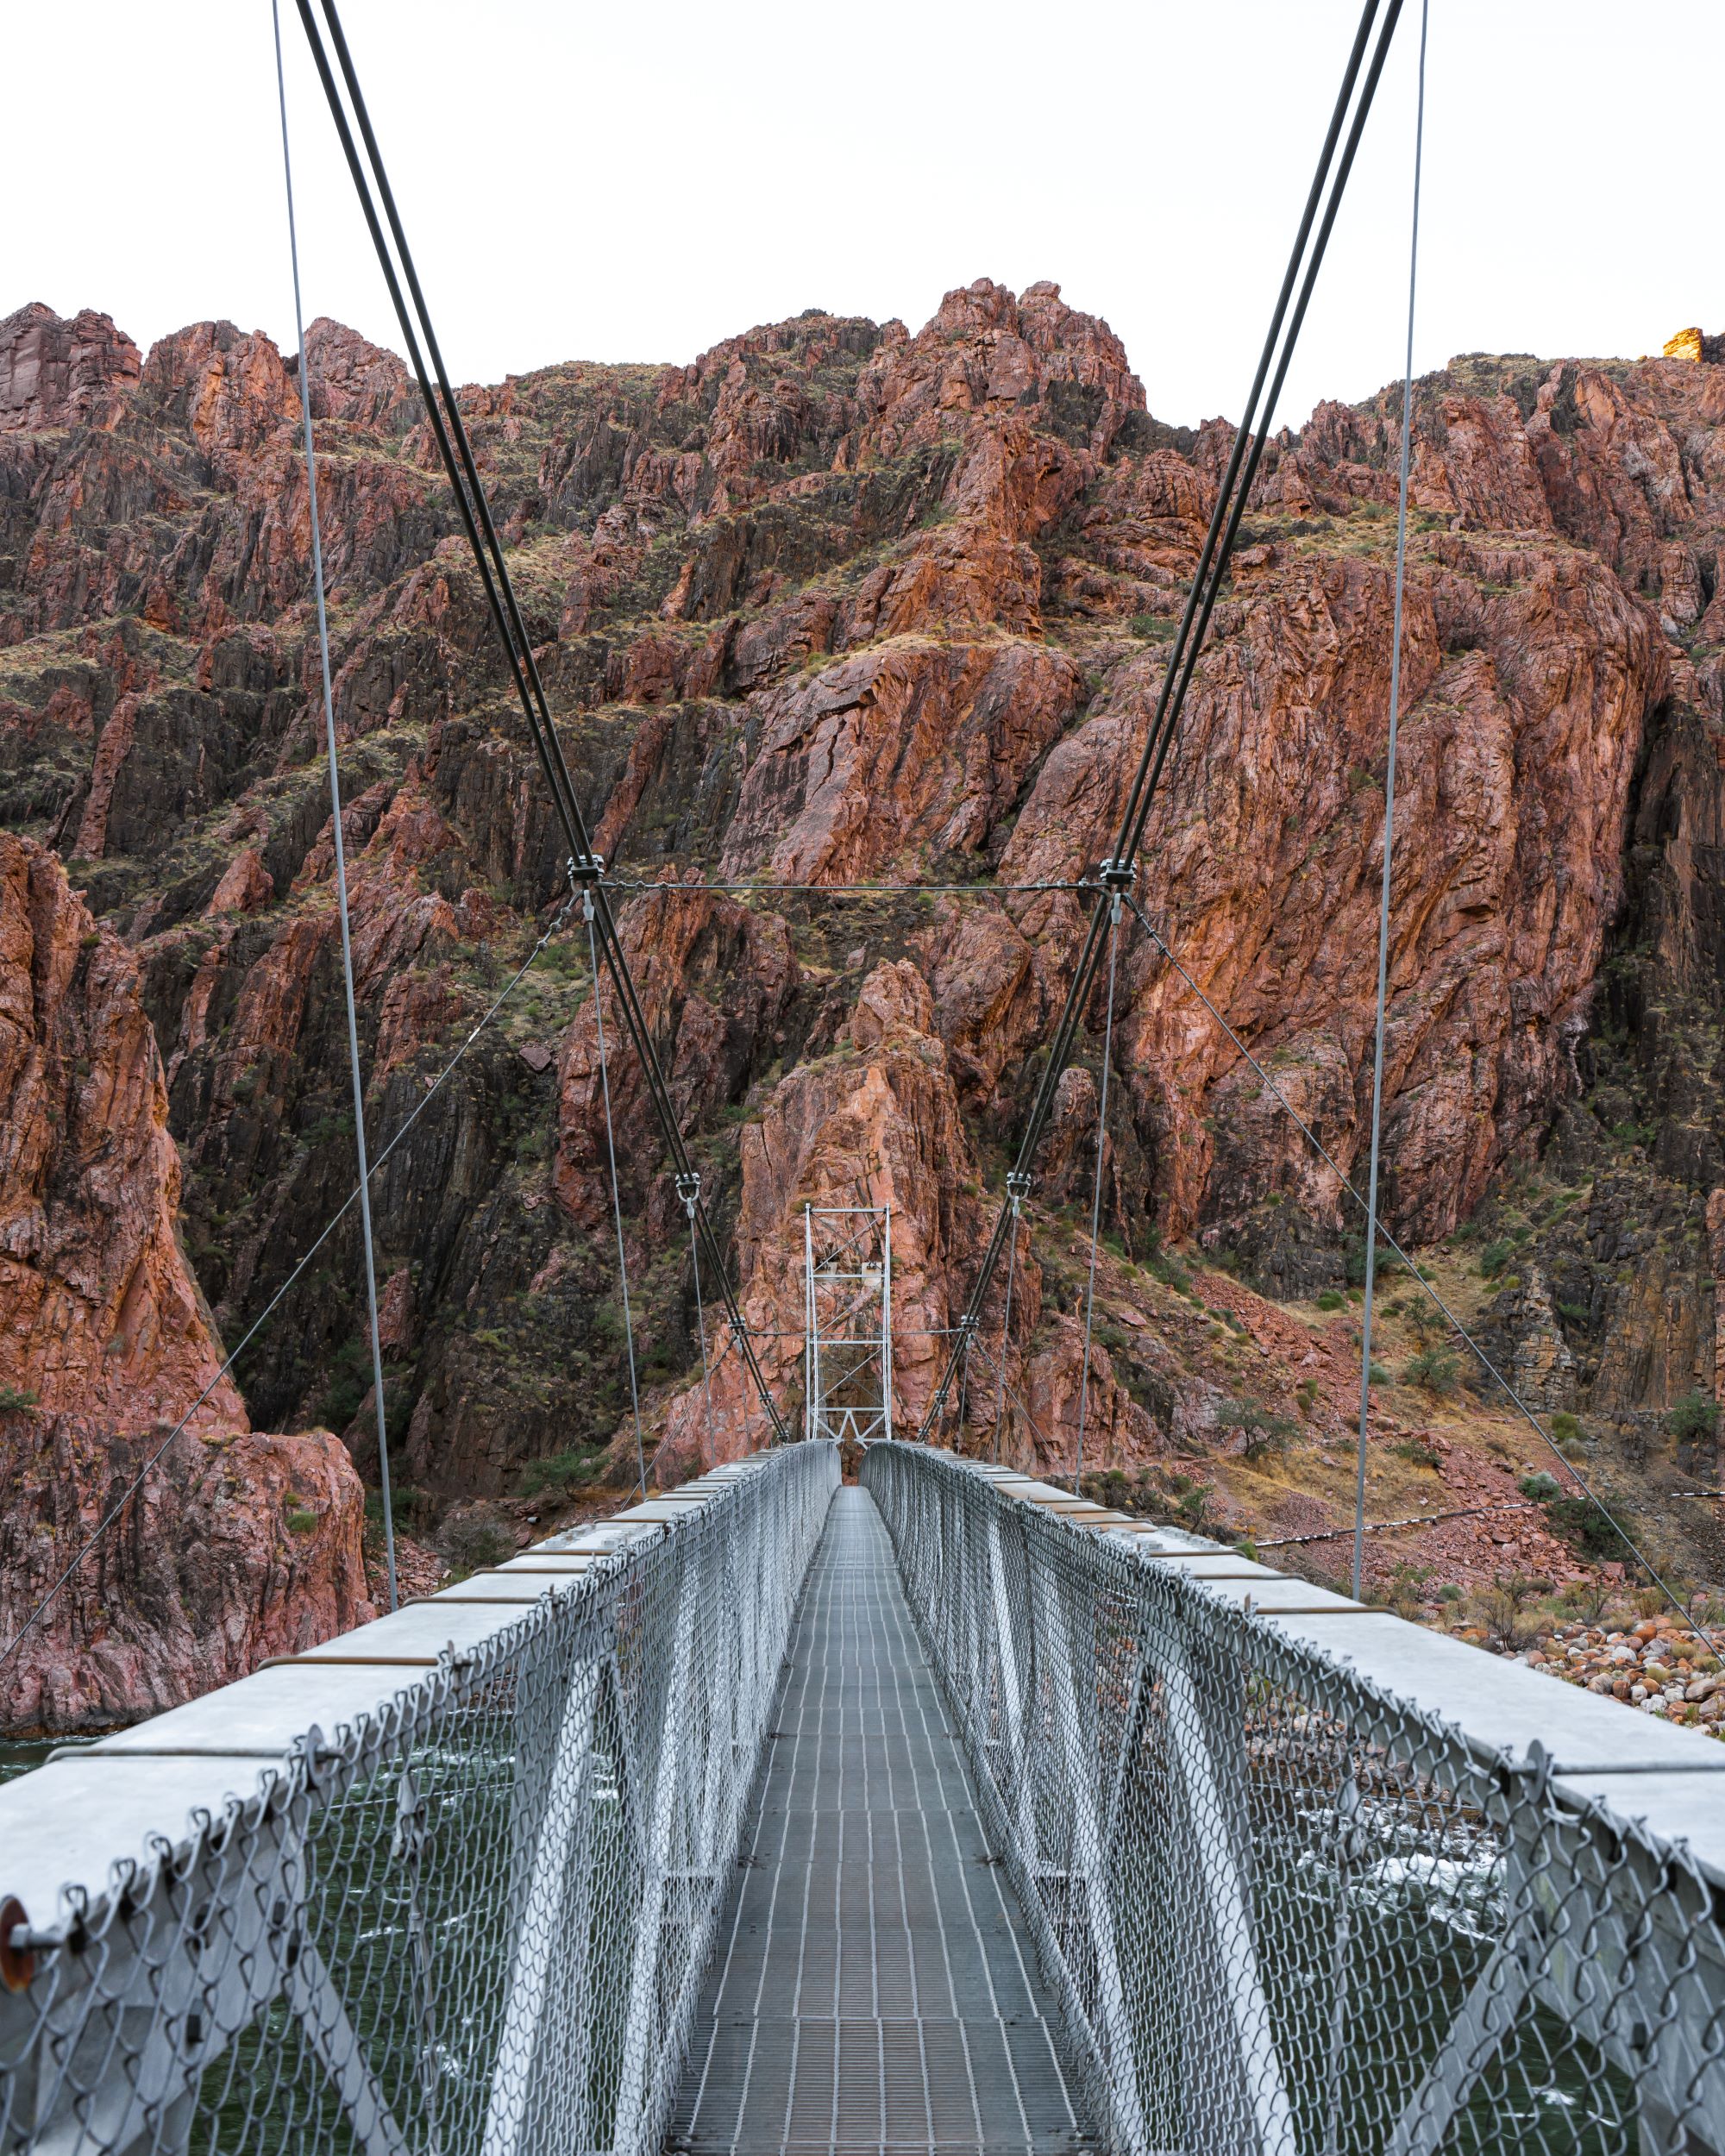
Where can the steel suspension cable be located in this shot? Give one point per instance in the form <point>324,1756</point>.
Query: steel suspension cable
<point>1006,1325</point>
<point>1096,1199</point>
<point>377,202</point>
<point>1242,470</point>
<point>359,1087</point>
<point>616,1191</point>
<point>1389,821</point>
<point>117,1508</point>
<point>1431,1293</point>
<point>1248,436</point>
<point>688,1196</point>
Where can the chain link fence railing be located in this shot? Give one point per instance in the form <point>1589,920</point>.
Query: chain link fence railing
<point>475,1920</point>
<point>1285,1911</point>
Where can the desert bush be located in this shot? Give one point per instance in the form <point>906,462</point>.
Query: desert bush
<point>1693,1416</point>
<point>474,1540</point>
<point>1566,1431</point>
<point>1262,1431</point>
<point>1434,1372</point>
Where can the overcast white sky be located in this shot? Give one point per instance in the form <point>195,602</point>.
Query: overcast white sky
<point>635,182</point>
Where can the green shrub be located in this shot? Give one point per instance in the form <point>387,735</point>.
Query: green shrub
<point>1494,1257</point>
<point>1579,1522</point>
<point>1434,1372</point>
<point>299,1521</point>
<point>1332,1299</point>
<point>15,1402</point>
<point>1417,1453</point>
<point>1386,1268</point>
<point>1262,1431</point>
<point>1539,1485</point>
<point>1693,1416</point>
<point>1566,1431</point>
<point>561,1472</point>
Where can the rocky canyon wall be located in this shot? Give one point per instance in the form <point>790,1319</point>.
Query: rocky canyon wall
<point>839,602</point>
<point>237,1544</point>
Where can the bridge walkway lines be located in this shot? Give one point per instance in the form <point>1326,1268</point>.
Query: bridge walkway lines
<point>872,1988</point>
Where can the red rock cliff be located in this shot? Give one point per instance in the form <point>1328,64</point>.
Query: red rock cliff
<point>841,602</point>
<point>237,1544</point>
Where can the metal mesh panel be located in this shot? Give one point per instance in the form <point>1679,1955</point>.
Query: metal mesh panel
<point>1284,1911</point>
<point>477,1920</point>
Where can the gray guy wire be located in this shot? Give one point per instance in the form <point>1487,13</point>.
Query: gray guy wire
<point>356,1075</point>
<point>1389,827</point>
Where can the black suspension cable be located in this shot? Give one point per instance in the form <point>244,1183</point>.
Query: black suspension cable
<point>372,185</point>
<point>1118,872</point>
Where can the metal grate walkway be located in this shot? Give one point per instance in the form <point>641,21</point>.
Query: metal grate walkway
<point>871,1989</point>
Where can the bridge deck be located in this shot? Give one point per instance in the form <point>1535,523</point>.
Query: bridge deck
<point>872,1988</point>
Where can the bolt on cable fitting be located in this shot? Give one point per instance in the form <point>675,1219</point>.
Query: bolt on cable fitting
<point>1017,1187</point>
<point>585,868</point>
<point>1116,876</point>
<point>688,1188</point>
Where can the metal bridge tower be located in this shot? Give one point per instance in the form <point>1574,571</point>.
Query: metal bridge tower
<point>848,1373</point>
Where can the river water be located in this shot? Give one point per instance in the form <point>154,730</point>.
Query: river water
<point>18,1759</point>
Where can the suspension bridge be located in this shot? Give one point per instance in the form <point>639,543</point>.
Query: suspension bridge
<point>862,1796</point>
<point>941,1812</point>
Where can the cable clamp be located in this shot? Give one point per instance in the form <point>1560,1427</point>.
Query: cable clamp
<point>585,868</point>
<point>1116,876</point>
<point>1017,1187</point>
<point>689,1190</point>
<point>969,1325</point>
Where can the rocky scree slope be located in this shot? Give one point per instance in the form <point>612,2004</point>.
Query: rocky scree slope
<point>839,602</point>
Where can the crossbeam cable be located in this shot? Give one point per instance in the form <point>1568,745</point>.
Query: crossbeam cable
<point>641,886</point>
<point>377,205</point>
<point>1310,246</point>
<point>357,1076</point>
